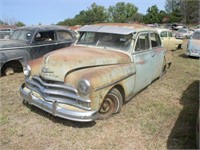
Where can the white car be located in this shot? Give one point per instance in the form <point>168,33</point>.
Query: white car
<point>170,43</point>
<point>183,33</point>
<point>193,47</point>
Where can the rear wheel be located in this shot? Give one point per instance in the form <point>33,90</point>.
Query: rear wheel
<point>112,104</point>
<point>9,71</point>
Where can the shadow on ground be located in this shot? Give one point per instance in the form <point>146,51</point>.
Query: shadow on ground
<point>182,135</point>
<point>188,57</point>
<point>54,119</point>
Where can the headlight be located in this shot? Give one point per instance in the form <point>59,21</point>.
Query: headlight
<point>83,87</point>
<point>27,70</point>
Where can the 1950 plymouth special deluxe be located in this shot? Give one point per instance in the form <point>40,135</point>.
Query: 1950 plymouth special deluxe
<point>108,65</point>
<point>31,42</point>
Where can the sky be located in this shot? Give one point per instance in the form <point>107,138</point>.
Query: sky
<point>33,12</point>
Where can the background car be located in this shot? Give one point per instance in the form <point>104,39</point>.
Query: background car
<point>170,43</point>
<point>197,27</point>
<point>193,47</point>
<point>31,42</point>
<point>176,26</point>
<point>183,33</point>
<point>5,34</point>
<point>168,39</point>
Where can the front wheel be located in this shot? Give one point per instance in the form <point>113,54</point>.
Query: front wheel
<point>9,71</point>
<point>112,104</point>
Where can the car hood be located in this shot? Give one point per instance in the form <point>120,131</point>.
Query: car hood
<point>194,45</point>
<point>9,44</point>
<point>58,64</point>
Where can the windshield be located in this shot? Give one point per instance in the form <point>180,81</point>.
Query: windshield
<point>196,35</point>
<point>22,35</point>
<point>182,31</point>
<point>116,41</point>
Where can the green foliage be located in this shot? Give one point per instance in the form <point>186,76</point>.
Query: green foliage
<point>191,11</point>
<point>172,5</point>
<point>185,11</point>
<point>3,22</point>
<point>94,14</point>
<point>154,15</point>
<point>123,12</point>
<point>20,24</point>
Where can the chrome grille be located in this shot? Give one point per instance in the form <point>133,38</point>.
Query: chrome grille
<point>57,91</point>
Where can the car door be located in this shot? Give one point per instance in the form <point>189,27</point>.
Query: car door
<point>172,41</point>
<point>158,53</point>
<point>142,56</point>
<point>165,39</point>
<point>43,42</point>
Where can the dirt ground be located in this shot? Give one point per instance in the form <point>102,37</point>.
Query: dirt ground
<point>162,116</point>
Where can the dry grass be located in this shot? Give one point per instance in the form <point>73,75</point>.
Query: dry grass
<point>162,116</point>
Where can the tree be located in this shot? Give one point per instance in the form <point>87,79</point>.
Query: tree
<point>3,22</point>
<point>122,12</point>
<point>172,5</point>
<point>20,24</point>
<point>11,21</point>
<point>185,11</point>
<point>152,15</point>
<point>94,14</point>
<point>190,11</point>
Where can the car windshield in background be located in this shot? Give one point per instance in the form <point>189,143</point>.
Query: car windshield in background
<point>22,35</point>
<point>116,41</point>
<point>182,31</point>
<point>196,35</point>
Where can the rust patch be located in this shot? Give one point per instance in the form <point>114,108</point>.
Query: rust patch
<point>35,65</point>
<point>76,57</point>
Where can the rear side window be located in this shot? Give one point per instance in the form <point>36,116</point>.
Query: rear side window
<point>155,40</point>
<point>142,42</point>
<point>64,36</point>
<point>45,36</point>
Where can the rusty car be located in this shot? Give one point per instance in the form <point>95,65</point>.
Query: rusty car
<point>193,46</point>
<point>107,66</point>
<point>31,42</point>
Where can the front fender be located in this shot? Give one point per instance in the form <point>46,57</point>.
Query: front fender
<point>10,55</point>
<point>103,78</point>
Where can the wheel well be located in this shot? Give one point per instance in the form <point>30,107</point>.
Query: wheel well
<point>121,90</point>
<point>15,64</point>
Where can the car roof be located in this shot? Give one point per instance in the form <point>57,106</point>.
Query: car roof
<point>42,27</point>
<point>116,28</point>
<point>160,30</point>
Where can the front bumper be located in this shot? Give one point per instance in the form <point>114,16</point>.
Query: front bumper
<point>193,54</point>
<point>56,110</point>
<point>180,36</point>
